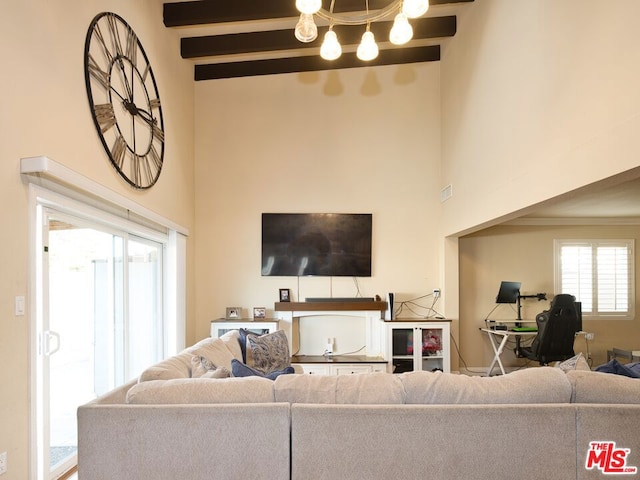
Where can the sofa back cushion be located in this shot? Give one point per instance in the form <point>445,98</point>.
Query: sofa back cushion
<point>598,387</point>
<point>178,366</point>
<point>367,388</point>
<point>202,391</point>
<point>218,351</point>
<point>531,385</point>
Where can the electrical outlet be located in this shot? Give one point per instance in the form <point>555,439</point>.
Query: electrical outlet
<point>3,463</point>
<point>589,335</point>
<point>436,293</point>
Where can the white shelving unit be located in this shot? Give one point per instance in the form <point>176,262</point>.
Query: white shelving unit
<point>414,345</point>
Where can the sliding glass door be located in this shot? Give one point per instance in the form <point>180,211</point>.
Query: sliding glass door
<point>101,322</point>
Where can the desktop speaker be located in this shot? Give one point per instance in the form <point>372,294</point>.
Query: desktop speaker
<point>388,315</point>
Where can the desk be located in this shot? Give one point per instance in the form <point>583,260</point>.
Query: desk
<point>499,347</point>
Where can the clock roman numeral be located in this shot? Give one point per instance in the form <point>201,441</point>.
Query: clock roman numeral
<point>157,132</point>
<point>96,72</point>
<point>115,34</point>
<point>135,169</point>
<point>155,158</point>
<point>97,33</point>
<point>155,103</point>
<point>146,72</point>
<point>132,46</point>
<point>118,151</point>
<point>105,116</point>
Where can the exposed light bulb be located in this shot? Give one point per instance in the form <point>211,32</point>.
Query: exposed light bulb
<point>330,49</point>
<point>367,50</point>
<point>306,30</point>
<point>308,6</point>
<point>401,32</point>
<point>415,8</point>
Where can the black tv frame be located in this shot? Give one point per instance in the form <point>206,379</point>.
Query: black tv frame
<point>333,244</point>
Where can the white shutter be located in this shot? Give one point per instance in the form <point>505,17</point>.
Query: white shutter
<point>613,279</point>
<point>599,273</point>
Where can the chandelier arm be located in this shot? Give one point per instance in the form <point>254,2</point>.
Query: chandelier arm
<point>349,19</point>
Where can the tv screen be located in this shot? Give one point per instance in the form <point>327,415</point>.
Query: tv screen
<point>508,292</point>
<point>322,244</point>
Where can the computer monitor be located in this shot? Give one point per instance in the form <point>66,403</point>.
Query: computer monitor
<point>509,292</point>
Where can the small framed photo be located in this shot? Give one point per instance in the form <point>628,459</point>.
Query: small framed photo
<point>233,313</point>
<point>259,312</point>
<point>285,295</point>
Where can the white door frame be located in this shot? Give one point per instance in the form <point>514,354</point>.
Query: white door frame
<point>175,279</point>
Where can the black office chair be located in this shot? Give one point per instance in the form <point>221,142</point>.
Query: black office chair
<point>557,329</point>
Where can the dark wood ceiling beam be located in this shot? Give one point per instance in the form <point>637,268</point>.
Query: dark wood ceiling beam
<point>314,63</point>
<point>270,41</point>
<point>201,12</point>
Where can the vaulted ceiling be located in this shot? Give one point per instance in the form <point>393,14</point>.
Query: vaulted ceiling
<point>238,38</point>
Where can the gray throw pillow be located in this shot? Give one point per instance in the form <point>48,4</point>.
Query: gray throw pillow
<point>201,367</point>
<point>268,353</point>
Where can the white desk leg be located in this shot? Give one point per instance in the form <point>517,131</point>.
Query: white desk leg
<point>497,351</point>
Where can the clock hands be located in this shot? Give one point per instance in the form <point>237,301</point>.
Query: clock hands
<point>143,114</point>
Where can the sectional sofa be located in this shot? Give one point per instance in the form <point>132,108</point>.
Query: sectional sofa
<point>534,423</point>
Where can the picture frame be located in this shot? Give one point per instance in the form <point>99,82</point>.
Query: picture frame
<point>259,312</point>
<point>233,313</point>
<point>285,295</point>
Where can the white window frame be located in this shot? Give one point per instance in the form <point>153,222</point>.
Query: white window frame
<point>594,244</point>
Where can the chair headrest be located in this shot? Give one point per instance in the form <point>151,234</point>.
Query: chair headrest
<point>563,300</point>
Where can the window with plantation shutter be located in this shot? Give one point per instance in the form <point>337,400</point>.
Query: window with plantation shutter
<point>599,273</point>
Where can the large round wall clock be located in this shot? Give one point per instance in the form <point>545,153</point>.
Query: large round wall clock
<point>124,100</point>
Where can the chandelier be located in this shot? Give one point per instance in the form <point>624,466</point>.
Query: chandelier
<point>401,32</point>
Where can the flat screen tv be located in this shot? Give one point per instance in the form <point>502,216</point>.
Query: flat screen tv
<point>321,244</point>
<point>508,292</point>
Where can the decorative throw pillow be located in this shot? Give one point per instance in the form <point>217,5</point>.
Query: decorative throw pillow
<point>268,352</point>
<point>239,369</point>
<point>577,362</point>
<point>220,372</point>
<point>615,367</point>
<point>201,367</point>
<point>242,340</point>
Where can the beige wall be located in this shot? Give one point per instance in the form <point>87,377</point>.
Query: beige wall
<point>525,254</point>
<point>45,112</point>
<point>539,98</point>
<point>533,92</point>
<point>359,140</point>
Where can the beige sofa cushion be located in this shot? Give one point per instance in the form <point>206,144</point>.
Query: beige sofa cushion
<point>219,351</point>
<point>216,352</point>
<point>531,385</point>
<point>368,388</point>
<point>598,387</point>
<point>232,340</point>
<point>178,366</point>
<point>202,391</point>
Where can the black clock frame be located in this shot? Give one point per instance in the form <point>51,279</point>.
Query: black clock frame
<point>117,75</point>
